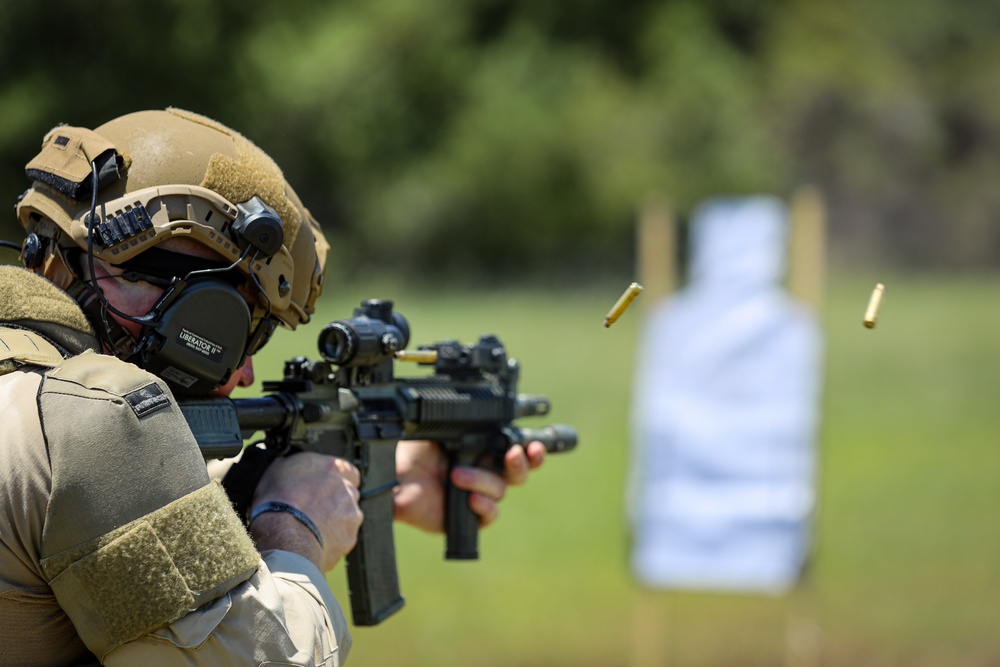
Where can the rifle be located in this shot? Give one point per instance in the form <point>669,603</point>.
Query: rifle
<point>351,405</point>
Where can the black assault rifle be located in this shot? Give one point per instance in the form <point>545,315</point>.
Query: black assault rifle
<point>351,405</point>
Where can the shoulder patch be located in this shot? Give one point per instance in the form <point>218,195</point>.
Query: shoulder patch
<point>147,400</point>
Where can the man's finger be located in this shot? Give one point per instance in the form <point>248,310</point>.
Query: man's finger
<point>348,471</point>
<point>516,466</point>
<point>485,508</point>
<point>477,480</point>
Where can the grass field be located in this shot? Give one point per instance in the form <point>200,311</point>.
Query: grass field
<point>907,561</point>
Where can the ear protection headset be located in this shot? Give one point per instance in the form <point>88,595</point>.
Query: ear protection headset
<point>200,330</point>
<point>196,335</point>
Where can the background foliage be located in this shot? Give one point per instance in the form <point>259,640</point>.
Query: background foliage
<point>494,136</point>
<point>504,139</point>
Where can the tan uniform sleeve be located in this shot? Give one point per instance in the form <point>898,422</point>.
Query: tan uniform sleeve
<point>284,615</point>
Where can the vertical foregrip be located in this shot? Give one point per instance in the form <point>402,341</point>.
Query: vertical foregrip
<point>461,523</point>
<point>372,577</point>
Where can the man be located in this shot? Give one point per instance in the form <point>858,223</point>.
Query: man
<point>163,249</point>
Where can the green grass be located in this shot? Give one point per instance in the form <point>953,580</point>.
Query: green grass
<point>907,562</point>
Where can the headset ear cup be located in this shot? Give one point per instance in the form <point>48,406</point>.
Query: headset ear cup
<point>200,339</point>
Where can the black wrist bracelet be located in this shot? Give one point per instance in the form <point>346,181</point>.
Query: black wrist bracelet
<point>274,506</point>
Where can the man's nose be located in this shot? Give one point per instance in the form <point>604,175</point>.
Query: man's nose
<point>246,373</point>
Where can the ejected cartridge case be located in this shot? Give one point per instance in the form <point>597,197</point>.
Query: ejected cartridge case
<point>627,297</point>
<point>874,303</point>
<point>418,356</point>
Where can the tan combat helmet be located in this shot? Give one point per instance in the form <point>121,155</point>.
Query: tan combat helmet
<point>169,174</point>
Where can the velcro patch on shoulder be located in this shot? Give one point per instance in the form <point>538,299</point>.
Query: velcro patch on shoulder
<point>147,400</point>
<point>154,570</point>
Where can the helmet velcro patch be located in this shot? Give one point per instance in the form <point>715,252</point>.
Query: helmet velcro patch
<point>64,162</point>
<point>253,173</point>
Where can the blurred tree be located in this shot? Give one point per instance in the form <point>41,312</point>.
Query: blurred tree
<point>510,136</point>
<point>84,63</point>
<point>890,116</point>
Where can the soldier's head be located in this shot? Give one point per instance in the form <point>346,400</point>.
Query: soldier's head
<point>180,238</point>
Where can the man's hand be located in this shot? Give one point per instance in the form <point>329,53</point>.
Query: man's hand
<point>421,468</point>
<point>325,489</point>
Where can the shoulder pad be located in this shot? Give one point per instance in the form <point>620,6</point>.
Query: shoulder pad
<point>119,447</point>
<point>135,535</point>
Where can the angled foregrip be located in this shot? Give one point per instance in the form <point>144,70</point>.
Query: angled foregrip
<point>372,578</point>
